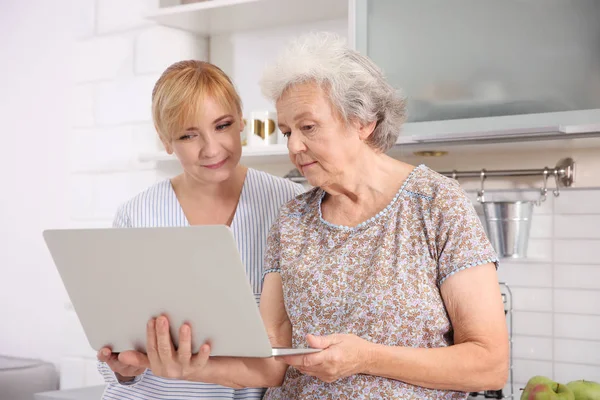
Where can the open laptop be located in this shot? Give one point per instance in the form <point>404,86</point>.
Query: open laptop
<point>119,278</point>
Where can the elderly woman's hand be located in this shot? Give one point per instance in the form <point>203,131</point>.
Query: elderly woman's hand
<point>162,357</point>
<point>343,355</point>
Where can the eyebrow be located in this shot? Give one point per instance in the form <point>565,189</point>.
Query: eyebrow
<point>193,128</point>
<point>302,115</point>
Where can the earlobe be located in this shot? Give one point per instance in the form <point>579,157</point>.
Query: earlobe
<point>366,130</point>
<point>168,147</point>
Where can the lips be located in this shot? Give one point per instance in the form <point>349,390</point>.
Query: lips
<point>216,165</point>
<point>304,165</point>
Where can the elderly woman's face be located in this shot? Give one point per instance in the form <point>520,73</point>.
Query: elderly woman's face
<point>320,144</point>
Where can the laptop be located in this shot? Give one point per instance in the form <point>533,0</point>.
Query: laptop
<point>119,278</point>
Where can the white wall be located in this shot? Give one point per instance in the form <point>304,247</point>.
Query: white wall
<point>34,101</point>
<point>119,57</point>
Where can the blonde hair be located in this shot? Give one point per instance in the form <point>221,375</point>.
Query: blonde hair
<point>179,92</point>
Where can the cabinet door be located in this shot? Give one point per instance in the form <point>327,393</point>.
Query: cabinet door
<point>485,65</point>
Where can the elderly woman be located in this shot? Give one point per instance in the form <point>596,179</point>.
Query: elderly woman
<point>383,265</point>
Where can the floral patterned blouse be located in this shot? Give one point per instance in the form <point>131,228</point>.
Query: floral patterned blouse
<point>379,280</point>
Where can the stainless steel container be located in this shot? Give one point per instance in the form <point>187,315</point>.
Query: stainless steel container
<point>508,224</point>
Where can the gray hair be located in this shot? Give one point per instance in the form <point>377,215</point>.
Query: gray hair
<point>356,86</point>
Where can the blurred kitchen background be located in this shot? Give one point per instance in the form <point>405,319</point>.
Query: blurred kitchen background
<point>492,85</point>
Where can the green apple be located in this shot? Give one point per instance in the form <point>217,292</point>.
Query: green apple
<point>542,388</point>
<point>585,390</point>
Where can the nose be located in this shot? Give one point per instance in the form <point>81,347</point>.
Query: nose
<point>210,147</point>
<point>295,144</point>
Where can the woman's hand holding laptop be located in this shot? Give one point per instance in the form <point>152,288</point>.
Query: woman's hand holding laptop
<point>125,372</point>
<point>162,357</point>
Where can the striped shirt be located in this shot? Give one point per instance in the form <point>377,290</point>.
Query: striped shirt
<point>261,197</point>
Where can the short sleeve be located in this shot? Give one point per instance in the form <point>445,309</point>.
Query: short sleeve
<point>461,241</point>
<point>273,250</point>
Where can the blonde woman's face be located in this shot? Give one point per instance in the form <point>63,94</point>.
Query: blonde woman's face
<point>209,146</point>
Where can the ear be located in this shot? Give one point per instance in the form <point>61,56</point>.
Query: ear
<point>365,130</point>
<point>167,145</point>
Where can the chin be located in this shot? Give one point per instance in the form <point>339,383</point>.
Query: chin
<point>214,175</point>
<point>313,180</point>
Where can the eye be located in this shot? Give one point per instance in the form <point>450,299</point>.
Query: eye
<point>185,137</point>
<point>307,128</point>
<point>286,134</point>
<point>223,126</point>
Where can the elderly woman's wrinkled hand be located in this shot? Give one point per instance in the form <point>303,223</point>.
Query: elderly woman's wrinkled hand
<point>162,357</point>
<point>343,355</point>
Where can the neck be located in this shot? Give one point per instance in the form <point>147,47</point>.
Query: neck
<point>211,192</point>
<point>375,175</point>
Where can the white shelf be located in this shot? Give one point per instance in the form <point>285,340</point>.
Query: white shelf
<point>256,155</point>
<point>212,17</point>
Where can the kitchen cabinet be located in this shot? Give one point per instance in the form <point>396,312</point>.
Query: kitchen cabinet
<point>483,69</point>
<point>211,17</point>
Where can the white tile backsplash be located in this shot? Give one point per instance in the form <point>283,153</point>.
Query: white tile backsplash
<point>577,226</point>
<point>158,47</point>
<point>82,196</point>
<point>578,251</point>
<point>571,372</point>
<point>517,274</point>
<point>573,326</point>
<point>72,372</point>
<point>85,23</point>
<point>577,301</point>
<point>105,57</point>
<point>146,139</point>
<point>577,351</point>
<point>532,299</point>
<point>582,201</point>
<point>525,369</point>
<point>541,226</point>
<point>91,375</point>
<point>577,276</point>
<point>126,184</point>
<point>82,106</point>
<point>124,101</point>
<point>102,149</point>
<point>532,347</point>
<point>74,340</point>
<point>539,250</point>
<point>119,15</point>
<point>532,323</point>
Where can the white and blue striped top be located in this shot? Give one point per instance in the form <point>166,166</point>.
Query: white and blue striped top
<point>262,196</point>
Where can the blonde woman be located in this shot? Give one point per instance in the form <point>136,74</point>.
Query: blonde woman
<point>198,116</point>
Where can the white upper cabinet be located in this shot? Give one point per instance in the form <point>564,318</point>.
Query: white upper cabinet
<point>487,69</point>
<point>212,17</point>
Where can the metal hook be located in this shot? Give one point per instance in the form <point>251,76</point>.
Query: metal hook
<point>454,174</point>
<point>544,189</point>
<point>556,191</point>
<point>481,192</point>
